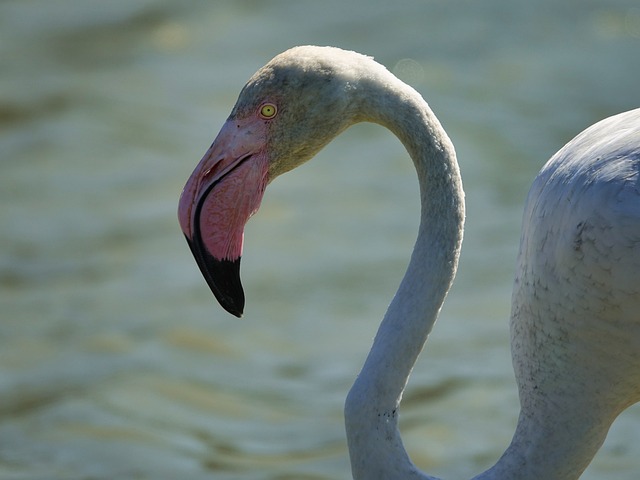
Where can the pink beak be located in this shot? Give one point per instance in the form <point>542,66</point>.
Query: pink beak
<point>224,190</point>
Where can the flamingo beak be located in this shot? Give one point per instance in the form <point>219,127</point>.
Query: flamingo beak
<point>224,190</point>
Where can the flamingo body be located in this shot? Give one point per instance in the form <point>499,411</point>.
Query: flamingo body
<point>575,317</point>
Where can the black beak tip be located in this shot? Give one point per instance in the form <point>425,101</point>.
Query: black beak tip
<point>235,306</point>
<point>223,278</point>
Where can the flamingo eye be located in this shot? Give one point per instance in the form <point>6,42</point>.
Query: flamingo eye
<point>268,110</point>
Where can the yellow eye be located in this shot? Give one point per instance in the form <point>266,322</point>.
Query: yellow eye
<point>268,110</point>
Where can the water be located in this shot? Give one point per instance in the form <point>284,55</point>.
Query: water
<point>115,361</point>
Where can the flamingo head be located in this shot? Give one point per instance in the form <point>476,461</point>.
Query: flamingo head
<point>288,110</point>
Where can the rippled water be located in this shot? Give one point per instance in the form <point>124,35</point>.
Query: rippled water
<point>115,361</point>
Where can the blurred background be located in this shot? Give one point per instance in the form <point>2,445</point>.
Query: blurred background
<point>115,360</point>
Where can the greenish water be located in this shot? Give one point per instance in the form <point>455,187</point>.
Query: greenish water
<point>115,360</point>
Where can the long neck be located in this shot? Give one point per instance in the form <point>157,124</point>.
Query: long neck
<point>544,444</point>
<point>570,390</point>
<point>371,409</point>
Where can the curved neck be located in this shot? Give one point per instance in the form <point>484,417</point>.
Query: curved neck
<point>544,443</point>
<point>575,362</point>
<point>371,409</point>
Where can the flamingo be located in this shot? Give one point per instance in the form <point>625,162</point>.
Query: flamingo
<point>575,320</point>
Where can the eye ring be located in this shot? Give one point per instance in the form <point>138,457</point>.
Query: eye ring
<point>268,111</point>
